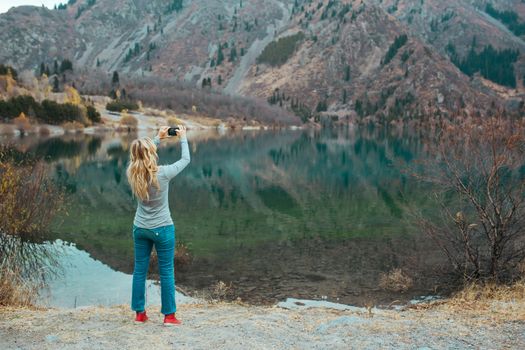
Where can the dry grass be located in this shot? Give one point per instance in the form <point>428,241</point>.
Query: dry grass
<point>173,121</point>
<point>221,291</point>
<point>491,292</point>
<point>129,121</point>
<point>396,280</point>
<point>483,302</point>
<point>14,291</point>
<point>183,256</point>
<point>72,127</point>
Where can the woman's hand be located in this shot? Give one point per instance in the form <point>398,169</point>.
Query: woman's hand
<point>182,131</point>
<point>163,132</point>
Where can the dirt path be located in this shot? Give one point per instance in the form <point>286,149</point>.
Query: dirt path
<point>232,326</point>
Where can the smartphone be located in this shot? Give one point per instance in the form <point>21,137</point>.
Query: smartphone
<point>173,131</point>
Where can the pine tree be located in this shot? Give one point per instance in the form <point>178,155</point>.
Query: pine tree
<point>42,68</point>
<point>115,80</point>
<point>219,80</point>
<point>233,54</point>
<point>347,73</point>
<point>220,55</point>
<point>55,67</point>
<point>56,84</point>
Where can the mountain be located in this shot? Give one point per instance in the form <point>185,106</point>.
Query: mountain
<point>389,58</point>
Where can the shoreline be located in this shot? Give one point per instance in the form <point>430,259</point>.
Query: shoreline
<point>147,119</point>
<point>297,325</point>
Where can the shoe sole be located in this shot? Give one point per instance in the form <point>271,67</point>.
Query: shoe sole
<point>172,324</point>
<point>139,322</point>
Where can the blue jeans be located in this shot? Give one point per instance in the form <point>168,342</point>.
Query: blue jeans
<point>164,240</point>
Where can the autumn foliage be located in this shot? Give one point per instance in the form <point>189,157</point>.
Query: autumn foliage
<point>29,200</point>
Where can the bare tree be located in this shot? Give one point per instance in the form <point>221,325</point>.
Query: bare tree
<point>477,170</point>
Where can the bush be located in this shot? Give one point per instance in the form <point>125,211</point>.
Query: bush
<point>129,121</point>
<point>48,111</point>
<point>120,105</point>
<point>55,113</point>
<point>29,200</point>
<point>73,126</point>
<point>5,70</point>
<point>93,114</point>
<point>173,121</point>
<point>396,281</point>
<point>22,123</point>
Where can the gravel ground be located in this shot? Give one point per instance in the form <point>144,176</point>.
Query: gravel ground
<point>234,326</point>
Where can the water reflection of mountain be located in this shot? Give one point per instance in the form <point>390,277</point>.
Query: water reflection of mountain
<point>247,192</point>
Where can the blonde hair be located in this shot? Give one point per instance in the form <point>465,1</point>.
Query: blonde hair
<point>142,168</point>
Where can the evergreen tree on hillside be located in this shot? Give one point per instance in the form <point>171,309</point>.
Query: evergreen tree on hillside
<point>66,65</point>
<point>277,52</point>
<point>115,80</point>
<point>233,54</point>
<point>220,55</point>
<point>392,50</point>
<point>175,5</point>
<point>42,69</point>
<point>511,19</point>
<point>56,84</point>
<point>347,73</point>
<point>495,65</point>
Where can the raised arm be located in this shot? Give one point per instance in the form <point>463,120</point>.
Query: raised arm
<point>173,169</point>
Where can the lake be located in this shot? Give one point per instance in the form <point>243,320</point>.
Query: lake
<point>317,214</point>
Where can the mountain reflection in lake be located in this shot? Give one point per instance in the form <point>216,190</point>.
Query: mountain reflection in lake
<point>278,214</point>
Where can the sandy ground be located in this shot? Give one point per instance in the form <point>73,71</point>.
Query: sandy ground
<point>234,326</point>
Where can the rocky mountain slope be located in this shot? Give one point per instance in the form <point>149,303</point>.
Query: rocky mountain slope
<point>332,57</point>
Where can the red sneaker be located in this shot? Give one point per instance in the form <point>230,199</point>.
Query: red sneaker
<point>171,320</point>
<point>141,317</point>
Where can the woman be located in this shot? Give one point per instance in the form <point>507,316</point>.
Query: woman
<point>153,225</point>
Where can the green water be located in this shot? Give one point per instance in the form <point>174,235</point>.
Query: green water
<point>255,205</point>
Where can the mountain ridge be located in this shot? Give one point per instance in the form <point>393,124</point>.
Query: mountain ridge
<point>336,68</point>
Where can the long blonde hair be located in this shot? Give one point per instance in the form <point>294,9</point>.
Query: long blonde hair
<point>142,168</point>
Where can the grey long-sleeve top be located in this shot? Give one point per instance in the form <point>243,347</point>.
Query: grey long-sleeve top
<point>155,212</point>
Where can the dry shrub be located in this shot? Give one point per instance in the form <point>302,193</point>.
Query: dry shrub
<point>72,127</point>
<point>13,290</point>
<point>44,131</point>
<point>222,291</point>
<point>174,121</point>
<point>182,259</point>
<point>22,123</point>
<point>128,121</point>
<point>396,281</point>
<point>183,255</point>
<point>491,292</point>
<point>29,200</point>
